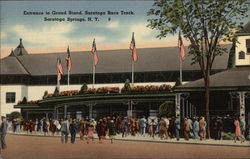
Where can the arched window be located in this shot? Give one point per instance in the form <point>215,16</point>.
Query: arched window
<point>241,55</point>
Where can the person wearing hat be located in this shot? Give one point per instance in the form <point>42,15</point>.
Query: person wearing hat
<point>73,130</point>
<point>90,134</point>
<point>111,130</point>
<point>100,129</point>
<point>202,131</point>
<point>177,124</point>
<point>196,128</point>
<point>3,132</point>
<point>186,129</point>
<point>64,131</point>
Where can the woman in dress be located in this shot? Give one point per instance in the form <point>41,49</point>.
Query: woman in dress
<point>90,133</point>
<point>162,129</point>
<point>202,130</point>
<point>81,129</point>
<point>237,130</point>
<point>52,127</point>
<point>101,130</point>
<point>186,129</point>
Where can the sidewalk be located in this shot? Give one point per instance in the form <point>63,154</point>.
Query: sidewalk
<point>157,139</point>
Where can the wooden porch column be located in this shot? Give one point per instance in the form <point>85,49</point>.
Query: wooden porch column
<point>57,112</point>
<point>27,115</point>
<point>241,95</point>
<point>90,111</point>
<point>65,111</point>
<point>242,105</point>
<point>54,115</point>
<point>178,104</point>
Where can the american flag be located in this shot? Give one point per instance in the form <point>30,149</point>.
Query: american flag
<point>68,60</point>
<point>94,52</point>
<point>59,69</point>
<point>133,48</point>
<point>181,46</point>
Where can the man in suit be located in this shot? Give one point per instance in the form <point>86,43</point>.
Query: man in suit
<point>177,124</point>
<point>3,132</point>
<point>64,131</point>
<point>143,125</point>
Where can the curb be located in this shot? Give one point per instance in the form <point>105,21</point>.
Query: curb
<point>154,141</point>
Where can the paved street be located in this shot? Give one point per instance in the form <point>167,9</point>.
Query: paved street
<point>33,147</point>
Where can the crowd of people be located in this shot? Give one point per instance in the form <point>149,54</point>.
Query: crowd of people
<point>164,128</point>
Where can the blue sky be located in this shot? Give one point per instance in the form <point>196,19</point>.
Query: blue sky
<point>42,36</point>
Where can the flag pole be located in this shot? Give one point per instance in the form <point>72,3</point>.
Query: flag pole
<point>58,82</point>
<point>180,68</point>
<point>133,67</point>
<point>68,77</point>
<point>93,86</point>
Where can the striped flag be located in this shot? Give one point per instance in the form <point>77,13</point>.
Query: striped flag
<point>59,69</point>
<point>181,46</point>
<point>94,52</point>
<point>68,60</point>
<point>133,48</point>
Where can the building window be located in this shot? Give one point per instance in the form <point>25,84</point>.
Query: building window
<point>248,45</point>
<point>241,55</point>
<point>10,97</point>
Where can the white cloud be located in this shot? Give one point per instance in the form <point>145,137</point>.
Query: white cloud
<point>88,40</point>
<point>140,32</point>
<point>113,24</point>
<point>52,36</point>
<point>2,34</point>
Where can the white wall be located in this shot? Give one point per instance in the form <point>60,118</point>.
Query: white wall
<point>241,46</point>
<point>20,90</point>
<point>37,92</point>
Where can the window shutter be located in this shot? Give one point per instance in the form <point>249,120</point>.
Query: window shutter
<point>248,43</point>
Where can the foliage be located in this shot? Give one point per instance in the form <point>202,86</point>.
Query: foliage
<point>71,92</point>
<point>45,94</point>
<point>167,109</point>
<point>24,101</point>
<point>231,58</point>
<point>84,89</point>
<point>177,83</point>
<point>14,115</point>
<point>205,24</point>
<point>56,92</point>
<point>227,136</point>
<point>127,86</point>
<point>107,90</point>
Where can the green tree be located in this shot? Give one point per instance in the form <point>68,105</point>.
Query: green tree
<point>14,115</point>
<point>84,88</point>
<point>231,58</point>
<point>127,85</point>
<point>45,94</point>
<point>205,24</point>
<point>167,109</point>
<point>56,92</point>
<point>24,101</point>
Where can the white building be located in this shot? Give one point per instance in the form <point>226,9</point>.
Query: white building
<point>30,75</point>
